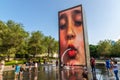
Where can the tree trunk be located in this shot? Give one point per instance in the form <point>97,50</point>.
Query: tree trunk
<point>48,53</point>
<point>8,57</point>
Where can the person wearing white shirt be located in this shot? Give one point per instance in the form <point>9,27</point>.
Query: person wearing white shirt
<point>115,69</point>
<point>1,69</point>
<point>36,66</point>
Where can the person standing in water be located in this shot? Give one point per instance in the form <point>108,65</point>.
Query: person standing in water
<point>17,71</point>
<point>92,62</point>
<point>115,69</point>
<point>1,69</point>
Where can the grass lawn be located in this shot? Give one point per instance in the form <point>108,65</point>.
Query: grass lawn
<point>13,62</point>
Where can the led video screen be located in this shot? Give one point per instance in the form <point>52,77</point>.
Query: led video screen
<point>71,37</point>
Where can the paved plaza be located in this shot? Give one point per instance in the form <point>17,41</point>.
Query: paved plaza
<point>53,71</point>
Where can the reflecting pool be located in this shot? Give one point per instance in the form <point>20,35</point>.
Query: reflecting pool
<point>51,72</point>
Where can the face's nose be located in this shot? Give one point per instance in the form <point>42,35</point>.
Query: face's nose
<point>70,32</point>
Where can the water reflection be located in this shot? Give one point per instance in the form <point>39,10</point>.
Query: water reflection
<point>94,76</point>
<point>75,73</point>
<point>50,72</point>
<point>1,77</point>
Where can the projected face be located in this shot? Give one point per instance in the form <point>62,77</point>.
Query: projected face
<point>71,37</point>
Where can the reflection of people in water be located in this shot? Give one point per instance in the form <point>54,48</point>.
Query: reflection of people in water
<point>36,76</point>
<point>30,75</point>
<point>74,74</point>
<point>71,36</point>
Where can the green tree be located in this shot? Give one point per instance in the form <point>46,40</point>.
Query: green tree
<point>3,36</point>
<point>34,43</point>
<point>18,36</point>
<point>6,38</point>
<point>51,45</point>
<point>12,35</point>
<point>115,51</point>
<point>104,47</point>
<point>93,51</point>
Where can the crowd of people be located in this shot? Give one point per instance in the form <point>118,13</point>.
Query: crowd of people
<point>31,67</point>
<point>112,67</point>
<point>110,64</point>
<point>19,69</point>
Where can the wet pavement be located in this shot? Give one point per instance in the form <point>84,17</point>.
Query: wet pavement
<point>102,74</point>
<point>51,72</point>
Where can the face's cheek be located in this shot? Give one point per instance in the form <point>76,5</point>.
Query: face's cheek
<point>62,39</point>
<point>79,41</point>
<point>80,46</point>
<point>62,42</point>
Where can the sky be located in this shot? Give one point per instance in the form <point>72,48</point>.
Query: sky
<point>102,16</point>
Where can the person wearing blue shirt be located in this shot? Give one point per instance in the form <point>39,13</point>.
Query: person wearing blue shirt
<point>17,71</point>
<point>107,64</point>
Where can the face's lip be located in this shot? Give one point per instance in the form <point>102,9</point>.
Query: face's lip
<point>72,47</point>
<point>72,51</point>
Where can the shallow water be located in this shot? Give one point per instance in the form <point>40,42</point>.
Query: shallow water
<point>51,72</point>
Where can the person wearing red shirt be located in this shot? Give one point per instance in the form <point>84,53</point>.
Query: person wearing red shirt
<point>92,62</point>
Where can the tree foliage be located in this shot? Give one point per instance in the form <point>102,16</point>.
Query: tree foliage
<point>93,51</point>
<point>15,40</point>
<point>105,48</point>
<point>12,36</point>
<point>34,43</point>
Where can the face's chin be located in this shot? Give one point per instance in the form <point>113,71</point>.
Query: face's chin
<point>73,62</point>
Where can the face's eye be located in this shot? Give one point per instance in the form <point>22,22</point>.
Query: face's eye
<point>62,24</point>
<point>78,23</point>
<point>63,21</point>
<point>62,27</point>
<point>77,20</point>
